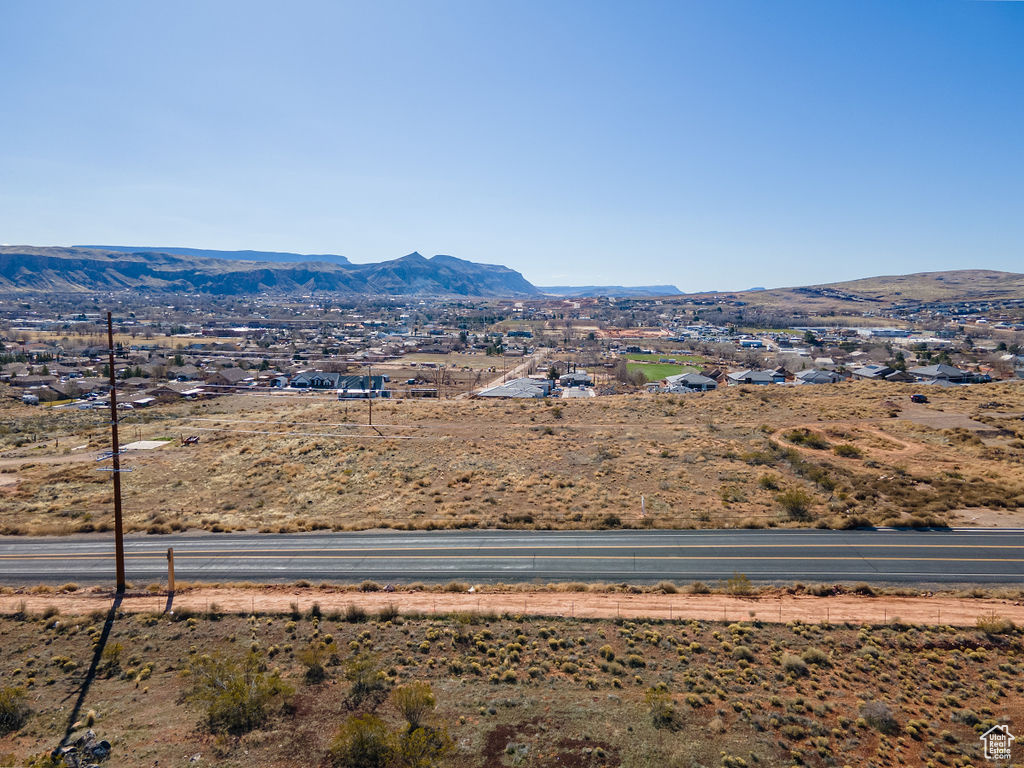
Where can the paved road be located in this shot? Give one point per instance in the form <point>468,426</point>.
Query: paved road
<point>918,557</point>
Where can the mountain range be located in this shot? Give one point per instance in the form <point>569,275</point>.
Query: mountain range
<point>80,269</point>
<point>84,268</point>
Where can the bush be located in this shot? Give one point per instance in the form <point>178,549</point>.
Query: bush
<point>14,709</point>
<point>768,482</point>
<point>413,701</point>
<point>879,716</point>
<point>661,709</point>
<point>388,613</point>
<point>742,653</point>
<point>363,741</point>
<point>314,658</point>
<point>364,675</point>
<point>848,451</point>
<point>667,587</point>
<point>699,588</point>
<point>738,584</point>
<point>796,502</point>
<point>238,694</point>
<point>806,438</point>
<point>794,664</point>
<point>355,614</point>
<point>111,659</point>
<point>817,657</point>
<point>993,624</point>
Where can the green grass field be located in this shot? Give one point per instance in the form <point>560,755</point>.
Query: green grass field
<point>658,371</point>
<point>653,358</point>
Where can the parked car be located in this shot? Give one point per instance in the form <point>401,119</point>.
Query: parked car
<point>918,399</point>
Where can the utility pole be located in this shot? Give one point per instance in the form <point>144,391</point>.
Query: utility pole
<point>115,450</point>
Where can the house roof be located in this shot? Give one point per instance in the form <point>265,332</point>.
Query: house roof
<point>689,380</point>
<point>515,388</point>
<point>814,376</point>
<point>940,371</point>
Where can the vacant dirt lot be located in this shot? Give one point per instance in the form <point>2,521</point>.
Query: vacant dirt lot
<point>515,691</point>
<point>743,456</point>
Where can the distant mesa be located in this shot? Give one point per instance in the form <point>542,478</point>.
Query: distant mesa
<point>205,253</point>
<point>238,273</point>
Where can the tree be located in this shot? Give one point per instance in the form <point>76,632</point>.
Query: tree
<point>552,373</point>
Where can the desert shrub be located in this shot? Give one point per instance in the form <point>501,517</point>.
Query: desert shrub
<point>758,458</point>
<point>238,694</point>
<point>354,614</point>
<point>606,652</point>
<point>742,653</point>
<point>847,451</point>
<point>806,438</point>
<point>660,708</point>
<point>456,586</point>
<point>667,587</point>
<point>388,613</point>
<point>768,482</point>
<point>855,521</point>
<point>863,589</point>
<point>369,586</point>
<point>314,658</point>
<point>993,624</point>
<point>817,657</point>
<point>738,584</point>
<point>413,701</point>
<point>796,503</point>
<point>794,664</point>
<point>14,709</point>
<point>699,588</point>
<point>363,741</point>
<point>110,659</point>
<point>363,672</point>
<point>422,747</point>
<point>879,716</point>
<point>610,521</point>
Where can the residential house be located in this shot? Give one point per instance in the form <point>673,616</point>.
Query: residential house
<point>755,377</point>
<point>575,379</point>
<point>518,388</point>
<point>816,376</point>
<point>229,377</point>
<point>689,382</point>
<point>873,371</point>
<point>929,374</point>
<point>332,380</point>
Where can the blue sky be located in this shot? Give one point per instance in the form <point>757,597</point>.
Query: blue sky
<point>714,145</point>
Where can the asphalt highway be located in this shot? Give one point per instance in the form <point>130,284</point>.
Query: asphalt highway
<point>880,557</point>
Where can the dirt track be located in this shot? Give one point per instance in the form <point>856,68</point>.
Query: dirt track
<point>846,608</point>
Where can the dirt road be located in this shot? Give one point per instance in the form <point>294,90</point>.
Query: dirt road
<point>856,609</point>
